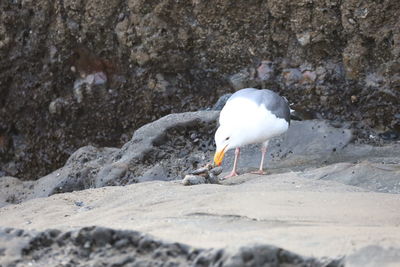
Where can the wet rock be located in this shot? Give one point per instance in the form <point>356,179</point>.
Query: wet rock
<point>216,171</point>
<point>213,178</point>
<point>206,174</point>
<point>389,135</point>
<point>193,180</point>
<point>153,153</point>
<point>178,144</point>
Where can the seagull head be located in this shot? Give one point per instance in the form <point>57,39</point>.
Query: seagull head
<point>225,139</point>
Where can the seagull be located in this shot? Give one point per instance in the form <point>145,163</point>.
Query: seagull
<point>250,116</point>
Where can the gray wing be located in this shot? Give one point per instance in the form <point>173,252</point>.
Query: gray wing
<point>273,102</point>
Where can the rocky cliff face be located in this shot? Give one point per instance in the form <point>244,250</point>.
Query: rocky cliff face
<point>74,73</point>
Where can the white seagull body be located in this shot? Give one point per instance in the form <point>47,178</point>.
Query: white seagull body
<point>250,116</point>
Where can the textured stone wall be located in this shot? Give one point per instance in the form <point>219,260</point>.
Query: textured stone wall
<point>75,72</point>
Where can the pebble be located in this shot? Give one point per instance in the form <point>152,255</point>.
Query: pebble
<point>265,71</point>
<point>216,171</point>
<point>291,76</point>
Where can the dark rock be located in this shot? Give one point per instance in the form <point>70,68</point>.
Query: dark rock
<point>216,171</point>
<point>212,178</point>
<point>79,203</point>
<point>105,61</point>
<point>23,249</point>
<point>153,153</point>
<point>102,236</point>
<point>202,170</point>
<point>193,180</point>
<point>389,135</point>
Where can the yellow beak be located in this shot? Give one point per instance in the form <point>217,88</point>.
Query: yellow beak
<point>219,156</point>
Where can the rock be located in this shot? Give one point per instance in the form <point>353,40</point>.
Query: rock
<point>153,153</point>
<point>163,57</point>
<point>291,76</point>
<point>304,38</point>
<point>206,174</point>
<point>193,180</point>
<point>177,144</point>
<point>378,177</point>
<point>216,171</point>
<point>202,170</point>
<point>157,172</point>
<point>389,135</point>
<point>305,144</point>
<point>213,178</point>
<point>29,246</point>
<point>243,79</point>
<point>265,72</point>
<point>353,57</point>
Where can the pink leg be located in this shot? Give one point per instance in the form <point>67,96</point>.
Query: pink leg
<point>260,170</point>
<point>233,172</point>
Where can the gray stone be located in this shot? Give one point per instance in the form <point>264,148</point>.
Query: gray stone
<point>193,180</point>
<point>216,171</point>
<point>68,248</point>
<point>291,76</point>
<point>305,144</point>
<point>378,177</point>
<point>151,154</point>
<point>212,178</point>
<point>155,173</point>
<point>177,144</point>
<point>371,256</point>
<point>243,79</point>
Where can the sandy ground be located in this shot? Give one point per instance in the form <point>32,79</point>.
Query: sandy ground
<point>310,217</point>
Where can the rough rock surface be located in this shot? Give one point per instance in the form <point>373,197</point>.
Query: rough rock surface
<point>178,144</point>
<point>97,246</point>
<point>77,73</point>
<point>324,197</point>
<point>163,150</point>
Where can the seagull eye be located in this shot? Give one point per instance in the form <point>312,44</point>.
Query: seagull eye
<point>226,139</point>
